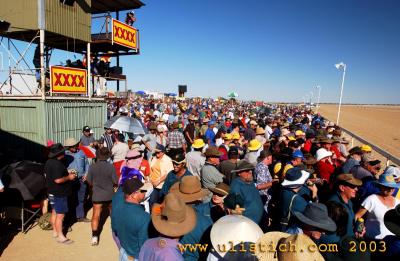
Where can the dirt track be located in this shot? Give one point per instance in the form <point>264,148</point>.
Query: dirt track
<point>377,124</point>
<point>38,245</point>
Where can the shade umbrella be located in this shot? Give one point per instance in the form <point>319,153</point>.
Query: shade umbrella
<point>126,124</point>
<point>233,95</point>
<point>25,176</point>
<point>140,92</point>
<point>89,151</point>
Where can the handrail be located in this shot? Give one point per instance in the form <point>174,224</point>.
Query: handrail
<point>384,153</point>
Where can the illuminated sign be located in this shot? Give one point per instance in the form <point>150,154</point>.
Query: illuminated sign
<point>125,35</point>
<point>68,80</point>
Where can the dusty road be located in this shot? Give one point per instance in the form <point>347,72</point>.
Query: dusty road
<point>377,124</point>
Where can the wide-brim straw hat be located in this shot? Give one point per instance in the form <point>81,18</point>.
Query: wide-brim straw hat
<point>232,230</point>
<point>221,189</point>
<point>199,143</point>
<point>309,159</point>
<point>254,145</point>
<point>189,189</point>
<point>173,218</point>
<point>303,242</point>
<point>260,131</point>
<point>348,178</point>
<point>213,151</point>
<point>269,239</point>
<point>70,142</point>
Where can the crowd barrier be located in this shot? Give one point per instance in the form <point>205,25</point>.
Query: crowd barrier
<point>390,159</point>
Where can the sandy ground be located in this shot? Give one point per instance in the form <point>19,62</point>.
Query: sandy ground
<point>38,244</point>
<point>377,124</point>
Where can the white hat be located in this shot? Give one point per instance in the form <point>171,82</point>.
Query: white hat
<point>295,177</point>
<point>322,153</point>
<point>391,170</point>
<point>233,229</point>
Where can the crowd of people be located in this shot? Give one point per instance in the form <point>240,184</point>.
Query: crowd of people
<point>215,180</point>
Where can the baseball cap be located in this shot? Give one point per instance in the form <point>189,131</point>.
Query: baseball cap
<point>132,185</point>
<point>159,148</point>
<point>86,128</point>
<point>297,154</point>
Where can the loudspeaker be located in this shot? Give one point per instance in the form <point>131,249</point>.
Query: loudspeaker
<point>4,26</point>
<point>68,2</point>
<point>182,88</point>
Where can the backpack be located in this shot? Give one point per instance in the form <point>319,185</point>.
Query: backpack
<point>44,222</point>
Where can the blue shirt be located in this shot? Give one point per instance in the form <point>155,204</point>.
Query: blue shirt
<point>77,161</point>
<point>194,236</point>
<point>171,179</point>
<point>210,135</point>
<point>299,204</point>
<point>131,227</point>
<point>351,216</point>
<point>117,203</point>
<point>252,199</point>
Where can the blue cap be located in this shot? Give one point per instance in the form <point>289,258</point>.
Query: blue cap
<point>211,123</point>
<point>160,148</point>
<point>297,154</point>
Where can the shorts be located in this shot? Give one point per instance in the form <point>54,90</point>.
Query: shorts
<point>106,202</point>
<point>59,204</point>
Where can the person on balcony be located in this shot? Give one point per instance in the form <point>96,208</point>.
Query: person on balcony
<point>130,18</point>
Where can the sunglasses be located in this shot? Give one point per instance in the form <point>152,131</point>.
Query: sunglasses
<point>351,186</point>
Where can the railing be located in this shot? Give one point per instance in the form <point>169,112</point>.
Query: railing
<point>389,157</point>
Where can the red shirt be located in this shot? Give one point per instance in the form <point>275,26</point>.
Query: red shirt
<point>307,146</point>
<point>145,167</point>
<point>325,170</point>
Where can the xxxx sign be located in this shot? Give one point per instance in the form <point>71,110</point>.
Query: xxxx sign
<point>125,35</point>
<point>68,80</point>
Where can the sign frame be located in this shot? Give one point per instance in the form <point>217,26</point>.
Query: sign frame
<point>65,91</point>
<point>115,40</point>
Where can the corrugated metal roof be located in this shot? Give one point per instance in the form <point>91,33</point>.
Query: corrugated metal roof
<point>103,6</point>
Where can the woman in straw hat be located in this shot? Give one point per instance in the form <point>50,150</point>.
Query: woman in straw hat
<point>172,219</point>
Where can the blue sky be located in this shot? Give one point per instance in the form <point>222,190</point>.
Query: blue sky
<point>269,50</point>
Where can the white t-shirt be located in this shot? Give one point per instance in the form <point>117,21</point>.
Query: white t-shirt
<point>374,223</point>
<point>119,151</point>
